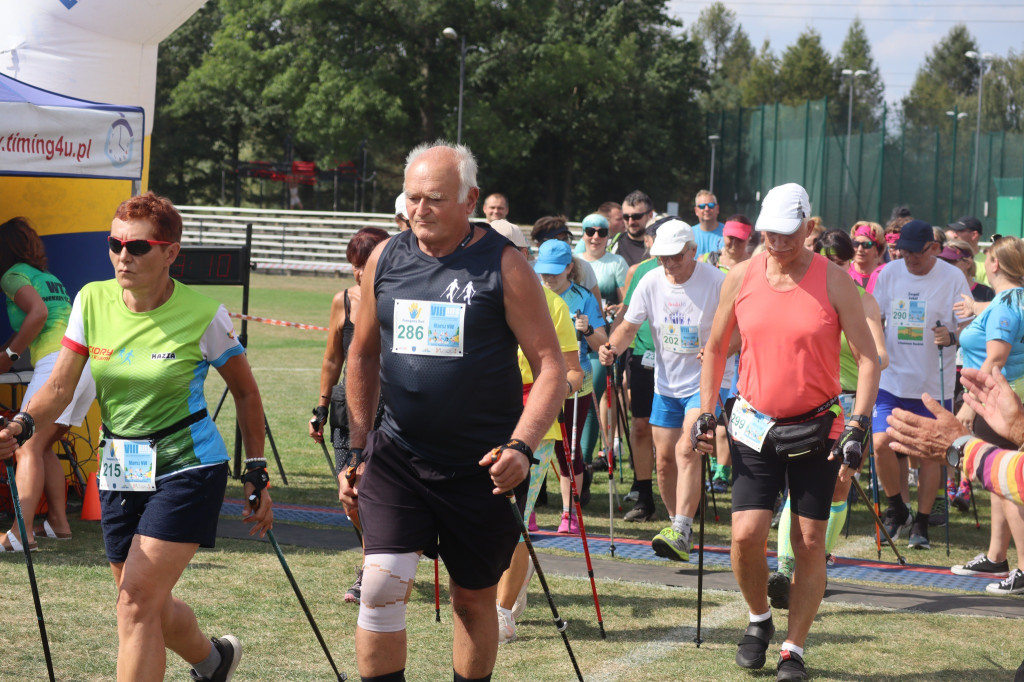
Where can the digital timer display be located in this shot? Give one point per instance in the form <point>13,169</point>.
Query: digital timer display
<point>211,265</point>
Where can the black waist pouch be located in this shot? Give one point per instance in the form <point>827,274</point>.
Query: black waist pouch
<point>803,438</point>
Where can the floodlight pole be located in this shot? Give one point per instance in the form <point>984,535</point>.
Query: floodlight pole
<point>451,34</point>
<point>982,58</point>
<point>956,115</point>
<point>713,139</point>
<point>849,134</point>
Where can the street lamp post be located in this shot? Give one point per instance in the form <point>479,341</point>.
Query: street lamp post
<point>981,58</point>
<point>713,139</point>
<point>852,75</point>
<point>956,115</point>
<point>451,34</point>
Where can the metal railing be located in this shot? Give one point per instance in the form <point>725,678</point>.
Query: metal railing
<point>282,241</point>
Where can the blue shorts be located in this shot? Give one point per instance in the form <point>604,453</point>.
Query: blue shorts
<point>184,508</point>
<point>886,402</point>
<point>669,413</point>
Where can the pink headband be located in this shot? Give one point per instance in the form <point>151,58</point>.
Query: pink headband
<point>865,231</point>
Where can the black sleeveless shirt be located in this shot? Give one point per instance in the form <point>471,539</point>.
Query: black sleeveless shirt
<point>448,409</point>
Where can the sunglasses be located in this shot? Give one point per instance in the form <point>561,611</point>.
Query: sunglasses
<point>599,231</point>
<point>634,216</point>
<point>710,204</point>
<point>863,245</point>
<point>136,247</point>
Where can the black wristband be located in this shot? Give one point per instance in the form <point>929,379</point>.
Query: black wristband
<point>520,446</point>
<point>589,330</point>
<point>258,477</point>
<point>319,415</point>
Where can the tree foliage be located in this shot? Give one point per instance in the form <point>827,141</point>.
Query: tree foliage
<point>567,102</point>
<point>947,78</point>
<point>726,53</point>
<point>855,55</point>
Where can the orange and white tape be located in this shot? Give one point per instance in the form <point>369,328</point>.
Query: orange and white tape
<point>278,323</point>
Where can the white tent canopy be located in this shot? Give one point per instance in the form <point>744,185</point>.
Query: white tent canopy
<point>43,133</point>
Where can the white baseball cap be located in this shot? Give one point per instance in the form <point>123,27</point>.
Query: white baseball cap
<point>784,209</point>
<point>510,232</point>
<point>400,206</point>
<point>672,237</point>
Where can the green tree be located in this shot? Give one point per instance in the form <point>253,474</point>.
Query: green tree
<point>855,55</point>
<point>806,71</point>
<point>760,85</point>
<point>727,54</point>
<point>947,77</point>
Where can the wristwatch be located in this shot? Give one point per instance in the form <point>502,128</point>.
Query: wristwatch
<point>865,422</point>
<point>955,452</point>
<point>12,355</point>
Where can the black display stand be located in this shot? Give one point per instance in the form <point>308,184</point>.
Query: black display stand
<point>227,266</point>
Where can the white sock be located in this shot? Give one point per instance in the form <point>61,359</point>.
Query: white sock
<point>682,524</point>
<point>755,618</point>
<point>798,650</point>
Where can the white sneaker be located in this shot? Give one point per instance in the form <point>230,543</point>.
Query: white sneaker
<point>520,605</point>
<point>506,626</point>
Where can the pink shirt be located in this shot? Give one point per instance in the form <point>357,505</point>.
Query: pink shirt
<point>867,282</point>
<point>789,359</point>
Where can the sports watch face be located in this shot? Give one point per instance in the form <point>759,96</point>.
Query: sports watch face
<point>120,139</point>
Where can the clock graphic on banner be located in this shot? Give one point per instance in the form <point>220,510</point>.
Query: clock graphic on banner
<point>120,139</point>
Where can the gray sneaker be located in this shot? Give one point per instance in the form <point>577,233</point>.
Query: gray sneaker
<point>643,511</point>
<point>672,545</point>
<point>894,521</point>
<point>1011,584</point>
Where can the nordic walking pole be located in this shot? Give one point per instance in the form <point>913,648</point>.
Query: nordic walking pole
<point>28,562</point>
<point>610,455</point>
<point>864,496</point>
<point>874,493</point>
<point>700,553</point>
<point>942,394</point>
<point>254,501</point>
<point>437,594</point>
<point>579,509</point>
<point>560,624</point>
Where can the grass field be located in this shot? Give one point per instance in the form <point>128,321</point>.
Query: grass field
<point>239,587</point>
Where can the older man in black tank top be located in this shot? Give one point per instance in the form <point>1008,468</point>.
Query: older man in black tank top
<point>444,307</point>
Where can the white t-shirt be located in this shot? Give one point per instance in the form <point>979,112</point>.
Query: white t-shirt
<point>911,306</point>
<point>680,316</point>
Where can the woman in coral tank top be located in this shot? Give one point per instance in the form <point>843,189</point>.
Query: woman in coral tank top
<point>789,306</point>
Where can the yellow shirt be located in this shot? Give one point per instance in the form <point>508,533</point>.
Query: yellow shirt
<point>566,332</point>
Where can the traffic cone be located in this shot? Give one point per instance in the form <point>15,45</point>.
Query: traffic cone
<point>91,503</point>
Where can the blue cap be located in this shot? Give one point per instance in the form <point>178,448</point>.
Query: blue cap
<point>914,236</point>
<point>595,220</point>
<point>553,257</point>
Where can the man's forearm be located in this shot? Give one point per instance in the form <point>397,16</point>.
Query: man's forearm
<point>542,405</point>
<point>362,391</point>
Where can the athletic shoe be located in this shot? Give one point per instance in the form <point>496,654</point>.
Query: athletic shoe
<point>643,511</point>
<point>520,605</point>
<point>352,595</point>
<point>230,654</point>
<point>1011,584</point>
<point>791,667</point>
<point>919,536</point>
<point>532,525</point>
<point>778,590</point>
<point>563,527</point>
<point>719,487</point>
<point>894,520</point>
<point>600,463</point>
<point>980,565</point>
<point>588,478</point>
<point>672,545</point>
<point>752,648</point>
<point>938,515</point>
<point>506,627</point>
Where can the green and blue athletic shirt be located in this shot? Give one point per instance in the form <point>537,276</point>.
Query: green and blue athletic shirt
<point>54,295</point>
<point>150,367</point>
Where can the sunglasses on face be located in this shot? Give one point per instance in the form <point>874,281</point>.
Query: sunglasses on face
<point>136,247</point>
<point>599,231</point>
<point>863,245</point>
<point>710,204</point>
<point>633,216</point>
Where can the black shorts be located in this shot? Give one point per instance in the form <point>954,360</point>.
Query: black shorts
<point>407,504</point>
<point>641,388</point>
<point>184,508</point>
<point>759,477</point>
